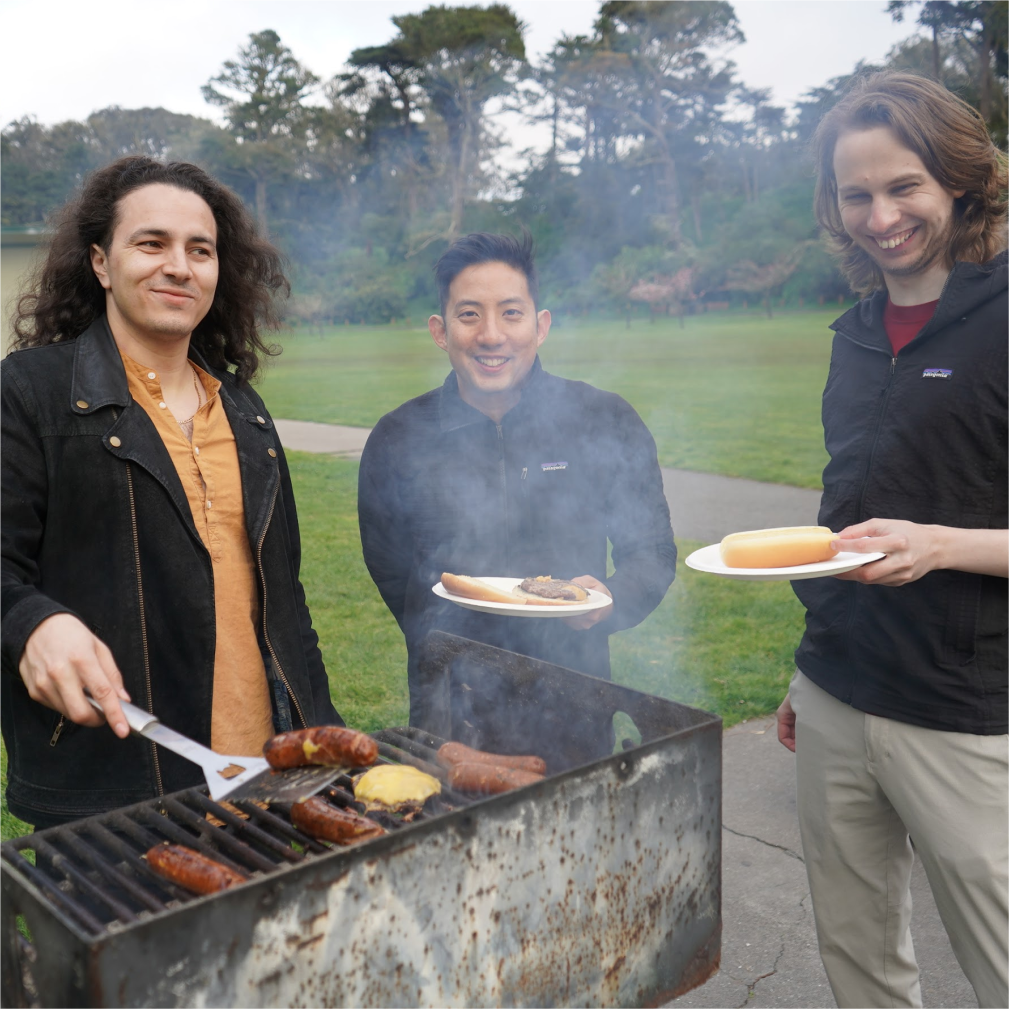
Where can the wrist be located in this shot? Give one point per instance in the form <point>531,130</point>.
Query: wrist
<point>940,547</point>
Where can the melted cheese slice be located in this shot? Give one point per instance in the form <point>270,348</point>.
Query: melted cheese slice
<point>394,784</point>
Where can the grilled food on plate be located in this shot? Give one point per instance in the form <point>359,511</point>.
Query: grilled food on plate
<point>786,547</point>
<point>331,745</point>
<point>190,869</point>
<point>540,591</point>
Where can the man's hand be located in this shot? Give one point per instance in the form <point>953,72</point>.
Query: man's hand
<point>909,548</point>
<point>586,620</point>
<point>786,724</point>
<point>60,659</point>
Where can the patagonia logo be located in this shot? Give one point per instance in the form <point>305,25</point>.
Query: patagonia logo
<point>937,373</point>
<point>550,467</point>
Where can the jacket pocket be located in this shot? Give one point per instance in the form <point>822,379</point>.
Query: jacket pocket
<point>61,727</point>
<point>960,627</point>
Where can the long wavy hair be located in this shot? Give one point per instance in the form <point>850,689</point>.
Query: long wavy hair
<point>64,296</point>
<point>954,145</point>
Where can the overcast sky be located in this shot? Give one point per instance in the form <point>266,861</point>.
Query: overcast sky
<point>63,60</point>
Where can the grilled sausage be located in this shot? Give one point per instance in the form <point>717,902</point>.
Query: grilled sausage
<point>190,869</point>
<point>486,779</point>
<point>318,818</point>
<point>451,754</point>
<point>331,745</point>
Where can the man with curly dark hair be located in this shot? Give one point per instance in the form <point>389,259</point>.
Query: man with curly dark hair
<point>897,712</point>
<point>150,540</point>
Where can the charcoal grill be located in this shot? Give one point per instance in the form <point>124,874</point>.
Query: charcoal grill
<point>599,885</point>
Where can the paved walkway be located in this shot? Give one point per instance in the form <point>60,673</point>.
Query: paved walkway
<point>703,506</point>
<point>769,953</point>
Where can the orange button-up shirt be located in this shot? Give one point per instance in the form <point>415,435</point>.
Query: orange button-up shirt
<point>241,718</point>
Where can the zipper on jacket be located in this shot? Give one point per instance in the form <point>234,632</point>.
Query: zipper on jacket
<point>877,426</point>
<point>522,480</point>
<point>504,486</point>
<point>266,633</point>
<point>143,623</point>
<point>59,729</point>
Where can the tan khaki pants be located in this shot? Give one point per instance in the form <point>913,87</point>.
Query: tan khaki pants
<point>865,784</point>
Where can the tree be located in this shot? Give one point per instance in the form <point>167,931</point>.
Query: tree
<point>670,92</point>
<point>460,58</point>
<point>762,279</point>
<point>262,102</point>
<point>982,26</point>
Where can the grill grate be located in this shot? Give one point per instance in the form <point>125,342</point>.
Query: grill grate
<point>599,885</point>
<point>93,869</point>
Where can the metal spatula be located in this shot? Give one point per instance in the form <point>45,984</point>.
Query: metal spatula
<point>227,777</point>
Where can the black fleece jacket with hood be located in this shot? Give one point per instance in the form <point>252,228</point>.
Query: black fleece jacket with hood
<point>920,436</point>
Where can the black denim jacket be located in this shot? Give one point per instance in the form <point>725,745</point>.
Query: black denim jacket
<point>96,523</point>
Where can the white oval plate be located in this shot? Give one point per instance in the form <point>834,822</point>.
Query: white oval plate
<point>709,560</point>
<point>596,601</point>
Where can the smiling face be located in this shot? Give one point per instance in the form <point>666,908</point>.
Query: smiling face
<point>895,211</point>
<point>160,271</point>
<point>491,331</point>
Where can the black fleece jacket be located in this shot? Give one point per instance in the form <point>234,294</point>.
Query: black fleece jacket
<point>444,488</point>
<point>921,436</point>
<point>97,523</point>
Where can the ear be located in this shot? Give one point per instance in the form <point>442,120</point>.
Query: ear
<point>542,326</point>
<point>436,326</point>
<point>100,264</point>
<point>957,193</point>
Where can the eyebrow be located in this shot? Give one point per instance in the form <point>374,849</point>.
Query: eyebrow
<point>472,303</point>
<point>162,233</point>
<point>899,181</point>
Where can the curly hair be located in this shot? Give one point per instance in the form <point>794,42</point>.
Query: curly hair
<point>64,296</point>
<point>951,140</point>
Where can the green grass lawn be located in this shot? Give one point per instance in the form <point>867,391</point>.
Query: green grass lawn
<point>728,393</point>
<point>735,394</point>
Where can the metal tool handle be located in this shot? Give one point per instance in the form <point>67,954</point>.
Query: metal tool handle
<point>136,718</point>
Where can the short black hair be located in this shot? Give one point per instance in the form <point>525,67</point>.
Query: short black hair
<point>486,248</point>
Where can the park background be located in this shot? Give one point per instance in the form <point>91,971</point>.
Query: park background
<point>671,207</point>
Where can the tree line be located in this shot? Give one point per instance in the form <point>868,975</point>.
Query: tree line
<point>668,184</point>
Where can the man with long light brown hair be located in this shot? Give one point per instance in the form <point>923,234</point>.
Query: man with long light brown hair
<point>897,711</point>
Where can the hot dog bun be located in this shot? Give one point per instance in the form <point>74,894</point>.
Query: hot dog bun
<point>777,548</point>
<point>474,588</point>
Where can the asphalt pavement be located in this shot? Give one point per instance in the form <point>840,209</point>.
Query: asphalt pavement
<point>703,506</point>
<point>769,952</point>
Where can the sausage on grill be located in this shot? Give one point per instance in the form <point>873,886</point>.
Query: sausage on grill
<point>332,745</point>
<point>190,869</point>
<point>318,818</point>
<point>486,779</point>
<point>451,754</point>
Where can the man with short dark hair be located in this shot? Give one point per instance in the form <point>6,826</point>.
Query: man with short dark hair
<point>897,712</point>
<point>150,540</point>
<point>509,471</point>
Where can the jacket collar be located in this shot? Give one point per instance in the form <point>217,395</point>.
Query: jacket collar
<point>454,412</point>
<point>968,286</point>
<point>99,378</point>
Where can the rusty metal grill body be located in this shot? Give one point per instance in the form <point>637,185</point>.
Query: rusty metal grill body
<point>599,885</point>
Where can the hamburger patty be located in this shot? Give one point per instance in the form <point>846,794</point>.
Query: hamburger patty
<point>553,588</point>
